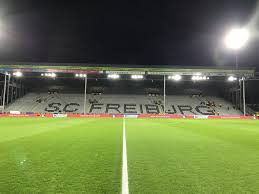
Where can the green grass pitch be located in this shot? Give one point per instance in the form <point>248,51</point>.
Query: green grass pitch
<point>62,155</point>
<point>40,155</point>
<point>193,156</point>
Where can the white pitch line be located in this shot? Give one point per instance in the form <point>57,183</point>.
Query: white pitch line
<point>125,183</point>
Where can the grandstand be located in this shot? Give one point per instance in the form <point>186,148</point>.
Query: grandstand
<point>121,104</point>
<point>204,91</point>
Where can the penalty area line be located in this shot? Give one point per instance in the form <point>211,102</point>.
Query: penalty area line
<point>125,183</point>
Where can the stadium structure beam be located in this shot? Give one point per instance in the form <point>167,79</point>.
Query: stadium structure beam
<point>16,92</point>
<point>127,69</point>
<point>164,94</point>
<point>240,91</point>
<point>85,94</point>
<point>236,58</point>
<point>244,97</point>
<point>253,79</point>
<point>4,91</point>
<point>12,96</point>
<point>8,88</point>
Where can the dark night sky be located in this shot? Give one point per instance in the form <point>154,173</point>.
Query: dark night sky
<point>127,32</point>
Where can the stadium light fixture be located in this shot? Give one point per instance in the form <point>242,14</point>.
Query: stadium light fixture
<point>199,78</point>
<point>80,75</point>
<point>113,76</point>
<point>137,77</point>
<point>237,38</point>
<point>18,74</point>
<point>6,73</point>
<point>232,78</point>
<point>175,77</point>
<point>52,75</point>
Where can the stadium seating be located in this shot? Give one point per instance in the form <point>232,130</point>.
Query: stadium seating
<point>128,104</point>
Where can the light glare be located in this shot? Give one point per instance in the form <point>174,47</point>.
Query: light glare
<point>175,77</point>
<point>137,76</point>
<point>53,75</point>
<point>237,38</point>
<point>80,75</point>
<point>199,78</point>
<point>113,76</point>
<point>232,78</point>
<point>18,74</point>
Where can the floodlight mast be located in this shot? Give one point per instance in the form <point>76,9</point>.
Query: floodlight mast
<point>236,39</point>
<point>236,60</point>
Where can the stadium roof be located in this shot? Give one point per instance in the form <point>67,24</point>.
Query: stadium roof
<point>126,69</point>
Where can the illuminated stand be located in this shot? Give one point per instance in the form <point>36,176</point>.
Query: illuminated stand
<point>164,74</point>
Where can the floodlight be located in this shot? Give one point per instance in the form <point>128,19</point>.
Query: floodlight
<point>232,78</point>
<point>53,75</point>
<point>81,75</point>
<point>137,76</point>
<point>237,38</point>
<point>113,76</point>
<point>18,74</point>
<point>77,75</point>
<point>175,77</point>
<point>194,77</point>
<point>199,78</point>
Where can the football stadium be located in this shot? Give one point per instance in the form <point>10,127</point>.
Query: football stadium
<point>87,128</point>
<point>129,97</point>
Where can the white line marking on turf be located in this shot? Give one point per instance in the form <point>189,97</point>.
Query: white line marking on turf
<point>125,183</point>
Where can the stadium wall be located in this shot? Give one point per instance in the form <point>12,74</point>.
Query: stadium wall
<point>127,116</point>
